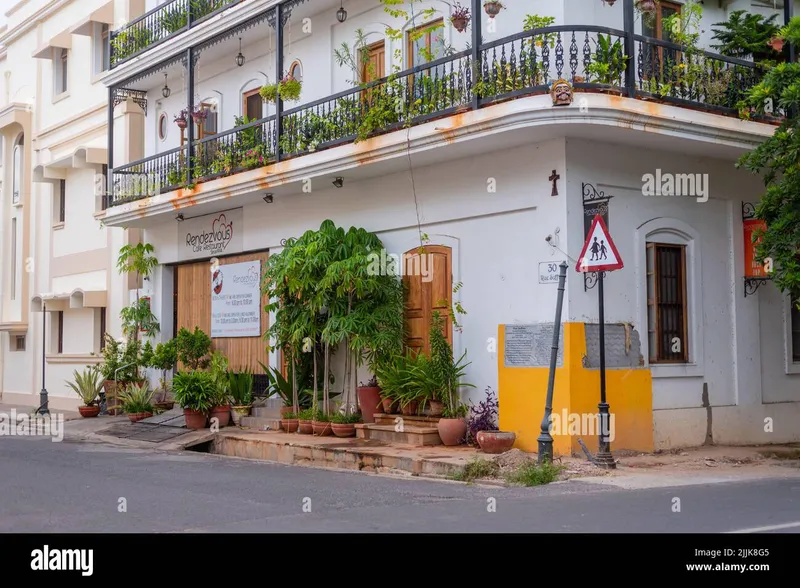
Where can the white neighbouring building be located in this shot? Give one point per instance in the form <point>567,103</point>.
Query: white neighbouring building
<point>498,177</point>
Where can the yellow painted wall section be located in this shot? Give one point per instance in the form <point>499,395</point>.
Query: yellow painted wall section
<point>522,393</point>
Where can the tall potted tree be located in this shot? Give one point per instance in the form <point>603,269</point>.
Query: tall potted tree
<point>164,358</point>
<point>139,260</point>
<point>221,401</point>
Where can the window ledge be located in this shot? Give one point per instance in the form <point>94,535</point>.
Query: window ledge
<point>60,97</point>
<point>74,358</point>
<point>58,226</point>
<point>678,370</point>
<point>17,205</point>
<point>793,368</point>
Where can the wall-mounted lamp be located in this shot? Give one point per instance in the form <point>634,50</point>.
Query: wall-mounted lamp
<point>165,91</point>
<point>240,57</point>
<point>268,198</point>
<point>179,218</point>
<point>341,14</point>
<point>338,182</point>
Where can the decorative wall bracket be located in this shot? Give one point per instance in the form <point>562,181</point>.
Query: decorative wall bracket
<point>752,284</point>
<point>139,97</point>
<point>286,13</point>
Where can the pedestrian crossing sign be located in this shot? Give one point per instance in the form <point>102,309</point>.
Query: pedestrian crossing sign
<point>599,252</point>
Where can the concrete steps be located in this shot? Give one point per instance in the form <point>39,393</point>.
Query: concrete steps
<point>266,412</point>
<point>407,421</point>
<point>407,435</point>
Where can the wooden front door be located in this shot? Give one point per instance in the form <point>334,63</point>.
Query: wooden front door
<point>193,298</point>
<point>374,62</point>
<point>428,281</point>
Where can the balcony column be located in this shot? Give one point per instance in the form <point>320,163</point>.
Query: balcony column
<point>788,14</point>
<point>279,75</point>
<point>190,123</point>
<point>109,188</point>
<point>477,40</point>
<point>629,21</point>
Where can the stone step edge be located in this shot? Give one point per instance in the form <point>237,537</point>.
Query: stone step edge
<point>406,429</point>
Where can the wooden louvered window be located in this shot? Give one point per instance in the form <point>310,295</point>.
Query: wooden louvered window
<point>666,303</point>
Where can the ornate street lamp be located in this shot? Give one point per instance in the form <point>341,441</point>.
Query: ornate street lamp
<point>240,57</point>
<point>165,91</point>
<point>341,14</point>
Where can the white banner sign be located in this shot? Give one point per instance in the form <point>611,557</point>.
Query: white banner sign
<point>212,235</point>
<point>548,272</point>
<point>236,300</point>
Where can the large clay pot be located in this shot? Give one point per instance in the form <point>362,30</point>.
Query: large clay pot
<point>452,431</point>
<point>389,406</point>
<point>410,409</point>
<point>305,427</point>
<point>492,8</point>
<point>222,414</point>
<point>289,425</point>
<point>369,399</point>
<point>135,417</point>
<point>344,430</point>
<point>435,408</point>
<point>237,412</point>
<point>495,441</point>
<point>460,24</point>
<point>286,410</point>
<point>89,411</point>
<point>321,428</point>
<point>194,419</point>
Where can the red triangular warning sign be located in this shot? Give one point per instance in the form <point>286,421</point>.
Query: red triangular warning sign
<point>599,252</point>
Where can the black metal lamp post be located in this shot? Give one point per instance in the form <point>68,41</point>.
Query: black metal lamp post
<point>43,394</point>
<point>545,438</point>
<point>603,458</point>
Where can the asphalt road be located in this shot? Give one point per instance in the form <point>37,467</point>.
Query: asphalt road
<point>82,487</point>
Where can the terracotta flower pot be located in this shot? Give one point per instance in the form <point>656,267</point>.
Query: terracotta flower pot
<point>286,410</point>
<point>321,428</point>
<point>409,409</point>
<point>369,399</point>
<point>495,441</point>
<point>222,414</point>
<point>194,419</point>
<point>460,24</point>
<point>389,406</point>
<point>289,425</point>
<point>435,408</point>
<point>452,431</point>
<point>343,430</point>
<point>237,412</point>
<point>135,417</point>
<point>777,44</point>
<point>181,122</point>
<point>492,8</point>
<point>305,427</point>
<point>89,411</point>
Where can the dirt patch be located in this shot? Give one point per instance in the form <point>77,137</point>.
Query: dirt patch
<point>512,460</point>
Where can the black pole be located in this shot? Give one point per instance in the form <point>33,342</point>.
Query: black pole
<point>545,439</point>
<point>630,47</point>
<point>43,394</point>
<point>109,189</point>
<point>190,122</point>
<point>604,457</point>
<point>477,61</point>
<point>788,14</point>
<point>279,76</point>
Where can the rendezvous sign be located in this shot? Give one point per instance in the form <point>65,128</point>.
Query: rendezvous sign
<point>212,235</point>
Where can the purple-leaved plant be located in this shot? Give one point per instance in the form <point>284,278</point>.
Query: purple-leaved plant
<point>483,417</point>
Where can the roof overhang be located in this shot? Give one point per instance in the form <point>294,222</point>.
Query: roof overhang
<point>62,40</point>
<point>15,113</point>
<point>101,16</point>
<point>82,157</point>
<point>78,298</point>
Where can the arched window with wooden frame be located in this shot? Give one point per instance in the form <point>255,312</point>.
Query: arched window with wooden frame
<point>17,170</point>
<point>428,284</point>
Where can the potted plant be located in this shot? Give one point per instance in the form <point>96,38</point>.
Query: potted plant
<point>369,399</point>
<point>241,391</point>
<point>199,115</point>
<point>278,385</point>
<point>137,401</point>
<point>181,119</point>
<point>121,361</point>
<point>193,348</point>
<point>305,419</point>
<point>88,385</point>
<point>482,427</point>
<point>194,392</point>
<point>344,425</point>
<point>164,358</point>
<point>321,424</point>
<point>288,88</point>
<point>493,7</point>
<point>460,17</point>
<point>289,422</point>
<point>221,401</point>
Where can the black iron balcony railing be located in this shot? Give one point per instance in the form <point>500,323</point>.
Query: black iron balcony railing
<point>592,58</point>
<point>159,24</point>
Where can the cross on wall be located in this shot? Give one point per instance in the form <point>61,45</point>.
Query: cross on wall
<point>554,178</point>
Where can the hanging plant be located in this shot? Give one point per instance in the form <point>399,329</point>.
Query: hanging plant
<point>180,118</point>
<point>269,92</point>
<point>648,10</point>
<point>493,7</point>
<point>460,17</point>
<point>289,89</point>
<point>199,115</point>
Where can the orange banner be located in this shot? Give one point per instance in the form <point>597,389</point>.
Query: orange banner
<point>752,267</point>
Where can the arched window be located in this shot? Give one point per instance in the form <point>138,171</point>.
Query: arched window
<point>296,70</point>
<point>162,126</point>
<point>19,146</point>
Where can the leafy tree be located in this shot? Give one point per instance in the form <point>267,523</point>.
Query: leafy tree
<point>776,160</point>
<point>746,34</point>
<point>193,348</point>
<point>138,259</point>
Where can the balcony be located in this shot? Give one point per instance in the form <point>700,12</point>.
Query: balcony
<point>593,59</point>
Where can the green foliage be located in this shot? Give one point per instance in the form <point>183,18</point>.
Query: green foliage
<point>534,21</point>
<point>447,372</point>
<point>476,469</point>
<point>241,387</point>
<point>194,390</point>
<point>138,317</point>
<point>138,259</point>
<point>609,61</point>
<point>307,414</point>
<point>121,360</point>
<point>345,419</point>
<point>288,415</point>
<point>87,384</point>
<point>356,59</point>
<point>219,375</point>
<point>776,161</point>
<point>746,34</point>
<point>288,88</point>
<point>193,348</point>
<point>137,398</point>
<point>533,474</point>
<point>130,41</point>
<point>174,17</point>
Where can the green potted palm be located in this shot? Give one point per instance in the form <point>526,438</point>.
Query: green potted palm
<point>221,401</point>
<point>241,391</point>
<point>321,424</point>
<point>194,391</point>
<point>88,385</point>
<point>137,401</point>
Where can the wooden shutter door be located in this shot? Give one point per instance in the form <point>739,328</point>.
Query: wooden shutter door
<point>428,281</point>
